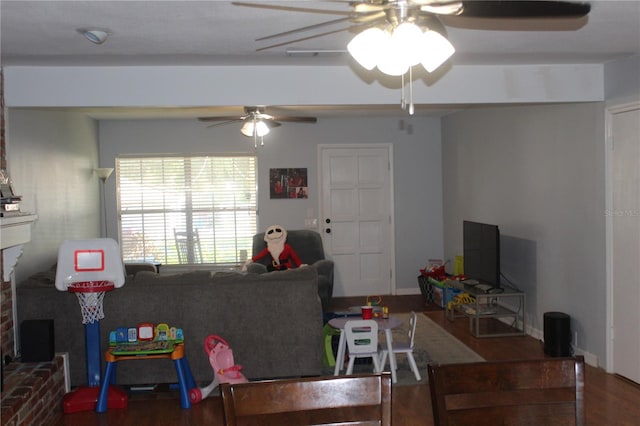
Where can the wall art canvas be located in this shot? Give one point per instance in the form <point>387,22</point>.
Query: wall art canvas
<point>288,183</point>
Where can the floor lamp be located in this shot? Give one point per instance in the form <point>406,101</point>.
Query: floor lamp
<point>104,173</point>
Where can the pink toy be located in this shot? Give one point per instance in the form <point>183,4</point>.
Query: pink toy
<point>224,368</point>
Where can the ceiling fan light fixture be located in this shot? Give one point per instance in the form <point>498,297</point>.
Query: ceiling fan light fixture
<point>364,47</point>
<point>437,50</point>
<point>395,52</point>
<point>255,127</point>
<point>391,59</point>
<point>407,39</point>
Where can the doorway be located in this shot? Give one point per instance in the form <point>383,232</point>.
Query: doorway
<point>356,217</point>
<point>623,241</point>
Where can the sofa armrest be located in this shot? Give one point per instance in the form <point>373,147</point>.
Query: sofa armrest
<point>324,267</point>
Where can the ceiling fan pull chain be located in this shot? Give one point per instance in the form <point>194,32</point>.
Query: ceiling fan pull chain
<point>410,90</point>
<point>403,101</point>
<point>255,133</point>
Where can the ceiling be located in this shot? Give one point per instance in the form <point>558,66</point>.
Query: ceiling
<point>221,33</point>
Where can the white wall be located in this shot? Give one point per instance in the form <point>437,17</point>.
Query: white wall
<point>538,173</point>
<point>416,145</point>
<point>51,157</point>
<point>188,86</point>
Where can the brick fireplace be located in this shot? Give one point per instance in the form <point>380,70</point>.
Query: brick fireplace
<point>31,392</point>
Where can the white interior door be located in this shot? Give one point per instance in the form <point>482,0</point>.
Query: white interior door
<point>356,217</point>
<point>625,247</point>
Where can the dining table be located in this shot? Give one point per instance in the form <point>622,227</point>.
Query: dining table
<point>384,324</point>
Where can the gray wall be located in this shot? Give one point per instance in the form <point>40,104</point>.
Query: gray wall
<point>622,80</point>
<point>417,178</point>
<point>538,173</point>
<point>51,157</point>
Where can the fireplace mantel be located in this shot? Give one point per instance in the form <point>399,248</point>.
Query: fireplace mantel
<point>15,232</point>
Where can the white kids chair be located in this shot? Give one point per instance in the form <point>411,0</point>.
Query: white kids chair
<point>404,347</point>
<point>362,341</point>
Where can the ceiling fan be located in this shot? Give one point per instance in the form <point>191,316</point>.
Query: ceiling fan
<point>395,35</point>
<point>367,13</point>
<point>256,122</point>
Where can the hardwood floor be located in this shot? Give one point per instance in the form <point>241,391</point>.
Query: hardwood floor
<point>610,400</point>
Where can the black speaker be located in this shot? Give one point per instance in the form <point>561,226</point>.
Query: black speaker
<point>557,334</point>
<point>37,340</point>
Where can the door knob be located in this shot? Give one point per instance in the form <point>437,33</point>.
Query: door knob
<point>327,220</point>
<point>328,230</point>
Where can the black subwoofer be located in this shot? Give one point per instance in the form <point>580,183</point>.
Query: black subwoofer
<point>557,334</point>
<point>37,340</point>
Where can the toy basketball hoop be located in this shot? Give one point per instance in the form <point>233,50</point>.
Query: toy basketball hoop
<point>90,269</point>
<point>90,296</point>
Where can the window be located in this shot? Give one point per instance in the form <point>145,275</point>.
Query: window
<point>187,209</point>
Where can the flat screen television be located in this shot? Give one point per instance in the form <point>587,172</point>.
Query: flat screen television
<point>481,251</point>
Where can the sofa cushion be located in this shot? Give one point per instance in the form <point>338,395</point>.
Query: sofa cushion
<point>172,279</point>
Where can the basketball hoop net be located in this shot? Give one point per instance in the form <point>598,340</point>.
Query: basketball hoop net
<point>90,296</point>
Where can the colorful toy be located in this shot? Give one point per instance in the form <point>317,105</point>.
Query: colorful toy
<point>143,342</point>
<point>224,368</point>
<point>144,337</point>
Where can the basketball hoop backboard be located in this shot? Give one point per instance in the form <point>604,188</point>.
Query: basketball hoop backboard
<point>96,259</point>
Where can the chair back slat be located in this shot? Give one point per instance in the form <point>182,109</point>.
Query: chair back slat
<point>346,400</point>
<point>362,336</point>
<point>544,391</point>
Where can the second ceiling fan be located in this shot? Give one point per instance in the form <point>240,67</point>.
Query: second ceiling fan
<point>256,122</point>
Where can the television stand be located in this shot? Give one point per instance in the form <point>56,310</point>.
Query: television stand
<point>492,314</point>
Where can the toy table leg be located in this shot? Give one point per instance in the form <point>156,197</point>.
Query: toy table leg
<point>101,406</point>
<point>185,381</point>
<point>110,396</point>
<point>191,383</point>
<point>342,343</point>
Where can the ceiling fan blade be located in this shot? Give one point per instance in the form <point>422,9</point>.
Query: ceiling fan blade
<point>223,123</point>
<point>271,123</point>
<point>292,119</point>
<point>454,7</point>
<point>221,118</point>
<point>369,17</point>
<point>524,9</point>
<point>291,8</point>
<point>354,17</point>
<point>365,6</point>
<point>301,29</point>
<point>301,39</point>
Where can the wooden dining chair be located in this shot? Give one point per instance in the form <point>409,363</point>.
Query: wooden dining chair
<point>548,391</point>
<point>362,399</point>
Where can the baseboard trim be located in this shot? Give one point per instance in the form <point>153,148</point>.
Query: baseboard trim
<point>407,291</point>
<point>589,358</point>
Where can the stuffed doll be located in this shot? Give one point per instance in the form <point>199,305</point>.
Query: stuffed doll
<point>283,256</point>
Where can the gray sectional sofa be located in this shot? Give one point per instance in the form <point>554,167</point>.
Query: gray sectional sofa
<point>273,322</point>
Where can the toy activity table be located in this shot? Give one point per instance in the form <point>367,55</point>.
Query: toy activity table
<point>141,351</point>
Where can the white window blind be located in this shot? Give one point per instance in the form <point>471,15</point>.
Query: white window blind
<point>186,209</point>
